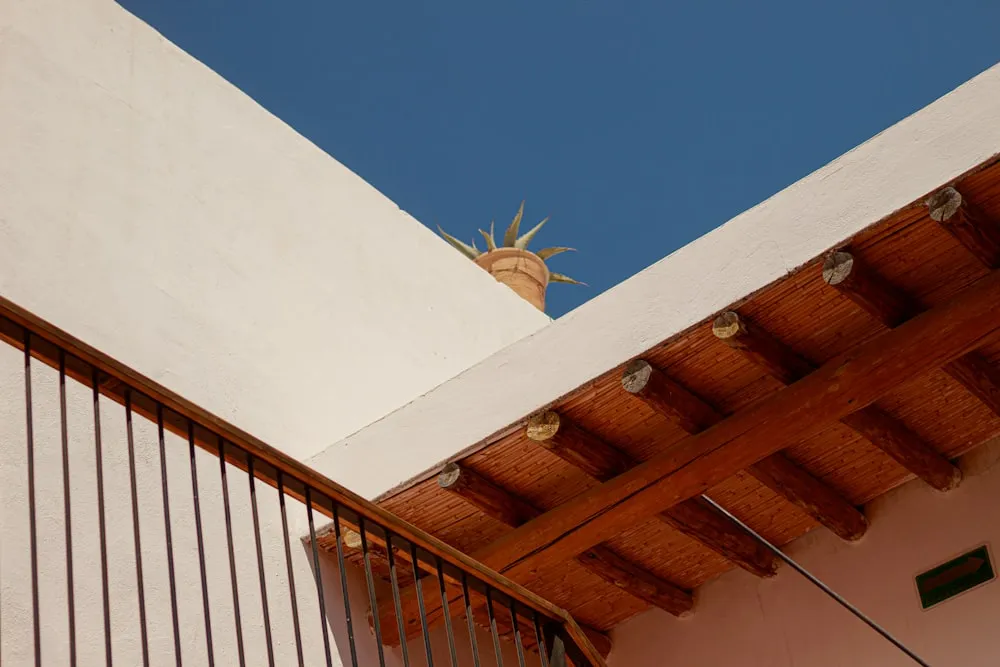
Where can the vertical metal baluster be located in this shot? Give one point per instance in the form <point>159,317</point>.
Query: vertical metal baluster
<point>64,436</point>
<point>291,574</point>
<point>135,528</point>
<point>201,547</point>
<point>540,638</point>
<point>420,605</point>
<point>167,532</point>
<point>232,555</point>
<point>517,634</point>
<point>260,563</point>
<point>493,626</point>
<point>343,585</point>
<point>36,627</point>
<point>447,615</point>
<point>99,457</point>
<point>394,579</point>
<point>319,586</point>
<point>470,620</point>
<point>371,592</point>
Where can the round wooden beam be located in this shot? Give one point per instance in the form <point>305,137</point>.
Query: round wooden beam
<point>867,289</point>
<point>489,498</point>
<point>636,376</point>
<point>980,234</point>
<point>837,267</point>
<point>944,204</point>
<point>543,426</point>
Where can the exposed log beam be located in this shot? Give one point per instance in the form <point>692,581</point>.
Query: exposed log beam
<point>886,433</point>
<point>979,233</point>
<point>507,508</point>
<point>850,381</point>
<point>699,521</point>
<point>634,580</point>
<point>776,472</point>
<point>844,384</point>
<point>865,288</point>
<point>483,494</point>
<point>578,447</point>
<point>818,500</point>
<point>891,306</point>
<point>667,397</point>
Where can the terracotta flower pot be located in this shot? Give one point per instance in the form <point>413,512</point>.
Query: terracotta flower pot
<point>521,270</point>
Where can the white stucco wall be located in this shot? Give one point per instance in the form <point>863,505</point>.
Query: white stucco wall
<point>156,212</point>
<point>785,621</point>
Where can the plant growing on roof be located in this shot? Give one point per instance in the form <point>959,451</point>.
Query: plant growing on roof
<point>512,263</point>
<point>512,240</point>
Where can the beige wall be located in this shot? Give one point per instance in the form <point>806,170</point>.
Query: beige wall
<point>785,622</point>
<point>153,210</point>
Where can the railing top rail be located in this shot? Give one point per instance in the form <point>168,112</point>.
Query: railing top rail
<point>117,379</point>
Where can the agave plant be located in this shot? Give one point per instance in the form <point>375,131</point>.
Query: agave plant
<point>512,240</point>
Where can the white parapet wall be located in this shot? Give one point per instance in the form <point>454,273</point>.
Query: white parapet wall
<point>156,212</point>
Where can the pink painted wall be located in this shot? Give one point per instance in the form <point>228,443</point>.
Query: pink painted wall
<point>785,622</point>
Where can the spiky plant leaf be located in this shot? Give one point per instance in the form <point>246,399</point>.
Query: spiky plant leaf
<point>491,244</point>
<point>545,253</point>
<point>470,251</point>
<point>510,236</point>
<point>561,278</point>
<point>523,242</point>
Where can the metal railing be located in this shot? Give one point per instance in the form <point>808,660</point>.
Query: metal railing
<point>540,632</point>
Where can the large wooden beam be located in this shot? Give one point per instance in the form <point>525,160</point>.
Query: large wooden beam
<point>886,433</point>
<point>699,521</point>
<point>842,385</point>
<point>776,472</point>
<point>507,508</point>
<point>891,306</point>
<point>980,234</point>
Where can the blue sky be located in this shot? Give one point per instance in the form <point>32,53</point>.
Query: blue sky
<point>636,126</point>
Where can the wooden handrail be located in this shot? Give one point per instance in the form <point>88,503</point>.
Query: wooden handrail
<point>116,379</point>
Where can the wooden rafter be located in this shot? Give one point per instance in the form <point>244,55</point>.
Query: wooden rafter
<point>508,509</point>
<point>891,306</point>
<point>978,233</point>
<point>776,472</point>
<point>699,521</point>
<point>886,433</point>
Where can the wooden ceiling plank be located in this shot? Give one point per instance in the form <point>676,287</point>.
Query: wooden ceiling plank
<point>699,521</point>
<point>979,233</point>
<point>886,433</point>
<point>891,306</point>
<point>780,475</point>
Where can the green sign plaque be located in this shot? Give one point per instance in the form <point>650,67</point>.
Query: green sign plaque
<point>958,575</point>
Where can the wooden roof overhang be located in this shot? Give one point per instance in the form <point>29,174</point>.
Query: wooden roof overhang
<point>873,364</point>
